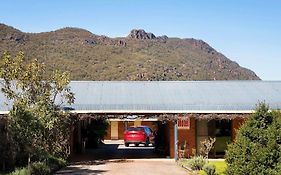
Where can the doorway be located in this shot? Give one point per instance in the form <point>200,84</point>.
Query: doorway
<point>219,129</point>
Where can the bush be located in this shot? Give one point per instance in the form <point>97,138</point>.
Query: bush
<point>257,149</point>
<point>95,132</point>
<point>210,169</point>
<point>197,163</point>
<point>20,171</point>
<point>39,168</point>
<point>56,163</point>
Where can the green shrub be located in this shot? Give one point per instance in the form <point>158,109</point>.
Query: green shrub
<point>20,171</point>
<point>257,149</point>
<point>197,163</point>
<point>56,163</point>
<point>210,169</point>
<point>95,132</point>
<point>40,168</point>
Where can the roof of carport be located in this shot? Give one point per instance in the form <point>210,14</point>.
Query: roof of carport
<point>174,96</point>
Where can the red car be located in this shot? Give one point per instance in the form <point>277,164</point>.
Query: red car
<point>138,135</point>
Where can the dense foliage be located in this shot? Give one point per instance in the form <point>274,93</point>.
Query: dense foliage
<point>95,131</point>
<point>257,149</point>
<point>35,127</point>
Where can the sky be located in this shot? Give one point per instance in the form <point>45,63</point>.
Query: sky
<point>246,31</point>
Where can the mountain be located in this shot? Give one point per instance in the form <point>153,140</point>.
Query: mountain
<point>139,56</point>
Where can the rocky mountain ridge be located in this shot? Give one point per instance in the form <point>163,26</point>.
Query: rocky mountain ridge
<point>139,56</point>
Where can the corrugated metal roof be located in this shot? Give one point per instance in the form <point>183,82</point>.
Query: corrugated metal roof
<point>133,96</point>
<point>173,96</point>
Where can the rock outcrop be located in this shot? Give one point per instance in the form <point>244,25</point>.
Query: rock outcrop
<point>140,34</point>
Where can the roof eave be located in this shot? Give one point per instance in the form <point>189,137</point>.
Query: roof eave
<point>163,111</point>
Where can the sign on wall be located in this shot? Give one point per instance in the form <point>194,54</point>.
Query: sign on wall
<point>183,122</point>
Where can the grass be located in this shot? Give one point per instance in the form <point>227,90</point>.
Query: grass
<point>220,167</point>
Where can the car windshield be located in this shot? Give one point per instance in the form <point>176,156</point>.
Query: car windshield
<point>135,129</point>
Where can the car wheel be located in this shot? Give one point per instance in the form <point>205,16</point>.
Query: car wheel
<point>126,144</point>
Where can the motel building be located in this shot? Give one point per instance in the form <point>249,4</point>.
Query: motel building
<point>181,113</point>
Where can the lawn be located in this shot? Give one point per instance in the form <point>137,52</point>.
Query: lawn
<point>220,167</point>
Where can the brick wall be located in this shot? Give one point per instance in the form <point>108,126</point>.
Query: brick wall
<point>188,135</point>
<point>108,132</point>
<point>236,123</point>
<point>170,141</point>
<point>121,130</point>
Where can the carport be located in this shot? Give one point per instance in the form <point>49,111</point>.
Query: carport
<point>122,101</point>
<point>186,106</point>
<point>153,121</point>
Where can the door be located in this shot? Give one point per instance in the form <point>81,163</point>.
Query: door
<point>114,130</point>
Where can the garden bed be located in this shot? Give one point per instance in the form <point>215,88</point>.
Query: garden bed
<point>219,164</point>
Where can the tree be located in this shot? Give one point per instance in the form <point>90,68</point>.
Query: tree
<point>39,127</point>
<point>257,149</point>
<point>7,144</point>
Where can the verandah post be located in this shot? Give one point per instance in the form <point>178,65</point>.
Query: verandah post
<point>176,139</point>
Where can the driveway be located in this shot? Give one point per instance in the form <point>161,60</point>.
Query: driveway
<point>113,158</point>
<point>115,149</point>
<point>125,167</point>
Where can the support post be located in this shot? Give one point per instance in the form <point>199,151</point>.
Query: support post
<point>176,139</point>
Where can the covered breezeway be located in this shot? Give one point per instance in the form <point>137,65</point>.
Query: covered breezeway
<point>112,145</point>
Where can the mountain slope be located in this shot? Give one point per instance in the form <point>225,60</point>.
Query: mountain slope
<point>139,56</point>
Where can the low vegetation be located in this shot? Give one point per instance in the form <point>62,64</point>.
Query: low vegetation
<point>204,167</point>
<point>201,162</point>
<point>219,166</point>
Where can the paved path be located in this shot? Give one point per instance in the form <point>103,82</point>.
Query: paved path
<point>126,167</point>
<point>113,158</point>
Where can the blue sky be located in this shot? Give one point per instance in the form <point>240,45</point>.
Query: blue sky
<point>246,31</point>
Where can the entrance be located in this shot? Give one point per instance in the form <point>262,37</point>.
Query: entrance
<point>103,139</point>
<point>219,129</point>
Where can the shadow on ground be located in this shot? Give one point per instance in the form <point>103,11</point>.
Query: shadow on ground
<point>114,158</point>
<point>80,171</point>
<point>116,150</point>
